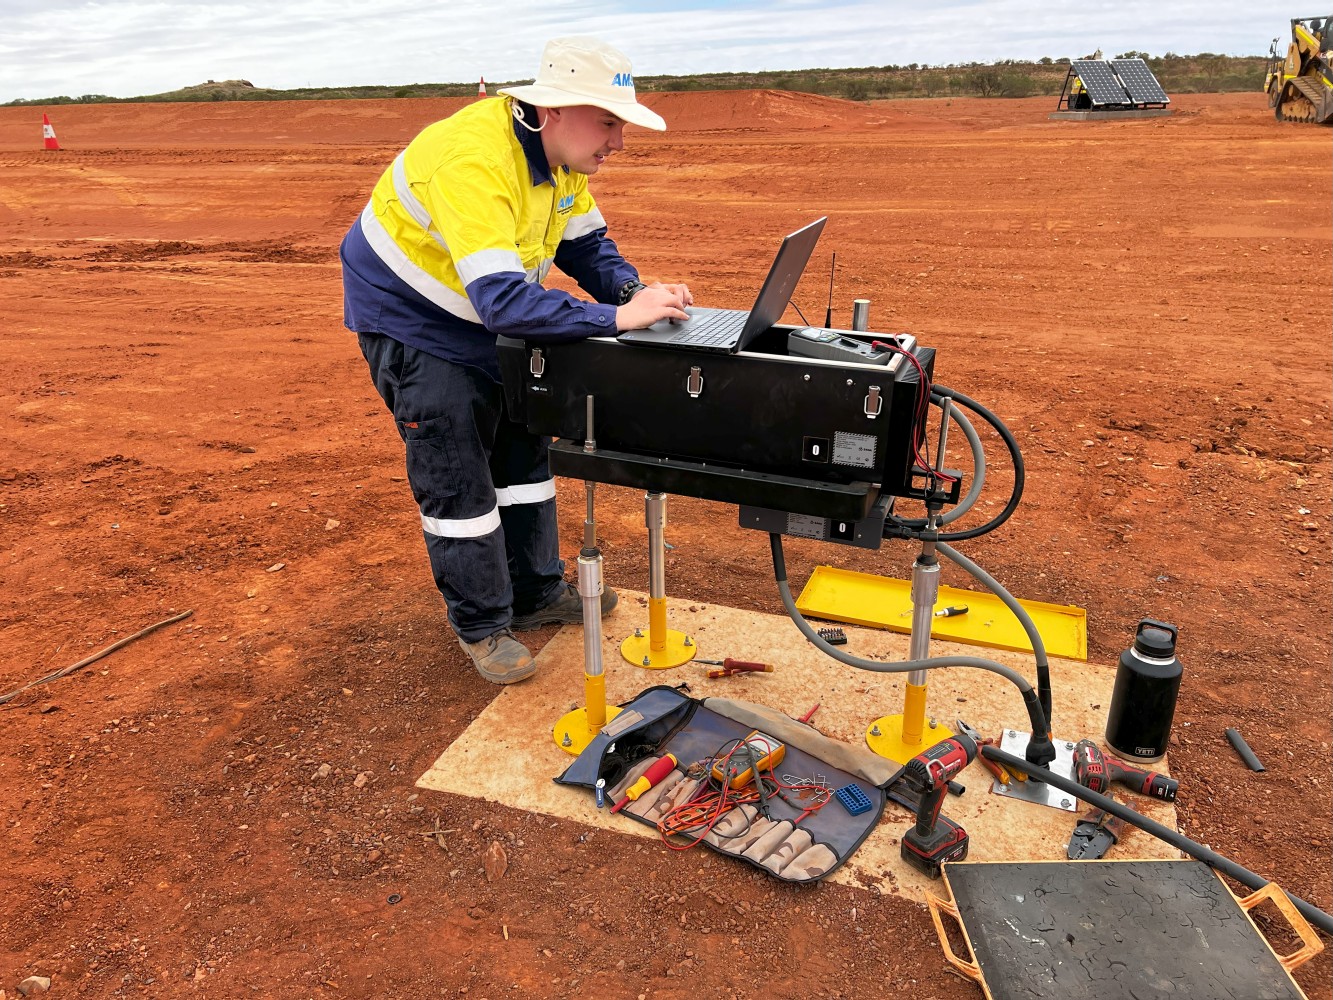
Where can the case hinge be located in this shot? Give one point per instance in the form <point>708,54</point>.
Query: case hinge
<point>874,402</point>
<point>536,363</point>
<point>694,384</point>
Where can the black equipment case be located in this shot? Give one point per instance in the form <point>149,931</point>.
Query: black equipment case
<point>805,435</point>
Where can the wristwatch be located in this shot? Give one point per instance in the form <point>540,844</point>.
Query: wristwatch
<point>629,290</point>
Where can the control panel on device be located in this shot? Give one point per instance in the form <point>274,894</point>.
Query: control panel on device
<point>840,345</point>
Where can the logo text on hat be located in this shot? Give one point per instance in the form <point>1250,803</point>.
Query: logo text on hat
<point>623,80</point>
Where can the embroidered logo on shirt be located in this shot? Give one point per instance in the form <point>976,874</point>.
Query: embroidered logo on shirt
<point>565,204</point>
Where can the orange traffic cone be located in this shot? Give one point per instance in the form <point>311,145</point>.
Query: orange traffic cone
<point>48,134</point>
<point>481,88</point>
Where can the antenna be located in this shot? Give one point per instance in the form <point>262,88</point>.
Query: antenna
<point>828,315</point>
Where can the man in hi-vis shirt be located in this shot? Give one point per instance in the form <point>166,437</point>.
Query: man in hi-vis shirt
<point>452,249</point>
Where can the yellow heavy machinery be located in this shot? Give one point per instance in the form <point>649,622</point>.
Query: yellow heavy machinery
<point>1300,87</point>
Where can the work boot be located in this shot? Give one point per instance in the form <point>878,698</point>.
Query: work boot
<point>566,609</point>
<point>500,658</point>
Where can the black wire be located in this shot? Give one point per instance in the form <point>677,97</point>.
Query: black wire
<point>1020,474</point>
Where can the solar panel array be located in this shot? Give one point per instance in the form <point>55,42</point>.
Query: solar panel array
<point>1100,82</point>
<point>1138,80</point>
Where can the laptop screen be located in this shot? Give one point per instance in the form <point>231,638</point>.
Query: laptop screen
<point>788,266</point>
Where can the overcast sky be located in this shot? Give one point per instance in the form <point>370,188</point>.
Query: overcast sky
<point>128,48</point>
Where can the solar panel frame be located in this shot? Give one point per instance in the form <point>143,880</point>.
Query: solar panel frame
<point>1139,81</point>
<point>1102,85</point>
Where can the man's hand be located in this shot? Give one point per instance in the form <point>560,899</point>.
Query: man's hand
<point>682,290</point>
<point>656,302</point>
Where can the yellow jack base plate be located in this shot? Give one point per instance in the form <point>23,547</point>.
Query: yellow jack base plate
<point>885,737</point>
<point>571,733</point>
<point>638,650</point>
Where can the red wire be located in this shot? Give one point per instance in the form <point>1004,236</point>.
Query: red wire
<point>707,805</point>
<point>921,409</point>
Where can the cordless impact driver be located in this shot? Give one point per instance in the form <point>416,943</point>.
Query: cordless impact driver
<point>936,839</point>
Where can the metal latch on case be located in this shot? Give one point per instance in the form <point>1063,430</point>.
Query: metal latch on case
<point>536,363</point>
<point>874,402</point>
<point>694,384</point>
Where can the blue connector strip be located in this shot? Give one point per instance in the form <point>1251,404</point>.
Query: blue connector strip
<point>853,799</point>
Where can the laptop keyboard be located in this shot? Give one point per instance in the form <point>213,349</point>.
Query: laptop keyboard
<point>712,329</point>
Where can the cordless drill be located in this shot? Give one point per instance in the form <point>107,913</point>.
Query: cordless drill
<point>1097,772</point>
<point>935,839</point>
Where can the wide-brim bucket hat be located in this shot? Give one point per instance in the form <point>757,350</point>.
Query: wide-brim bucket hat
<point>576,71</point>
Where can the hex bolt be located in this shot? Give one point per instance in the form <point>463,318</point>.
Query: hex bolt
<point>874,730</point>
<point>566,742</point>
<point>934,724</point>
<point>638,633</point>
<point>688,642</point>
<point>1065,803</point>
<point>647,662</point>
<point>1069,746</point>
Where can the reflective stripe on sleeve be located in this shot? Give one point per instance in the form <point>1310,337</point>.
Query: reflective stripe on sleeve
<point>397,261</point>
<point>471,527</point>
<point>582,225</point>
<point>405,196</point>
<point>525,493</point>
<point>538,273</point>
<point>487,262</point>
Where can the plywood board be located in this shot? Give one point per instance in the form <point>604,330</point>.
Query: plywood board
<point>509,754</point>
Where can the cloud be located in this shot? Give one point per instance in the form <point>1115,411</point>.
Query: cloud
<point>127,48</point>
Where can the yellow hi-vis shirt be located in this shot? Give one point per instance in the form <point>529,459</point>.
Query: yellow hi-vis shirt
<point>459,232</point>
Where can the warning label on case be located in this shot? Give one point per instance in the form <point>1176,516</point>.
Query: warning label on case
<point>805,526</point>
<point>857,450</point>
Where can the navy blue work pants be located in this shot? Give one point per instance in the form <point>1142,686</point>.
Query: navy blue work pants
<point>486,494</point>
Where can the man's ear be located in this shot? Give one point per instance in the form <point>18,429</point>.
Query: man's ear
<point>554,115</point>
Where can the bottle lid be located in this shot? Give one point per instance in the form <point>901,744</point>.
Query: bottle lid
<point>1152,640</point>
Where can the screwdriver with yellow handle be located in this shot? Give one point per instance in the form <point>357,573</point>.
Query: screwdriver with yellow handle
<point>661,768</point>
<point>730,666</point>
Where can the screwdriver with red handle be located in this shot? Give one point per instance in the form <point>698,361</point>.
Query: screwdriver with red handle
<point>1097,772</point>
<point>730,666</point>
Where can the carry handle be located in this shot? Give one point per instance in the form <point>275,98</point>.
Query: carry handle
<point>1311,945</point>
<point>969,969</point>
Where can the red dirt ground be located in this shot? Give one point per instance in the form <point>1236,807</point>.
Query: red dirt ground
<point>1145,303</point>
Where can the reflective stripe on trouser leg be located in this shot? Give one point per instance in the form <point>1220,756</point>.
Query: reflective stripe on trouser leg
<point>525,493</point>
<point>447,416</point>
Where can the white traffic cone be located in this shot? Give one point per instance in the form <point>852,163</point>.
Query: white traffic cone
<point>481,88</point>
<point>48,134</point>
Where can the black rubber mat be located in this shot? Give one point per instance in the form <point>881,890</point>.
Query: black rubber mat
<point>1112,930</point>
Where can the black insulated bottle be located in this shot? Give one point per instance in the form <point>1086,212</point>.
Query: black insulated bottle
<point>1144,700</point>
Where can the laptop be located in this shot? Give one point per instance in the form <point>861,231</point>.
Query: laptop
<point>726,331</point>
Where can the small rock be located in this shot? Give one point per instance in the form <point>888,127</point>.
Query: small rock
<point>495,861</point>
<point>330,524</point>
<point>48,709</point>
<point>374,856</point>
<point>324,771</point>
<point>275,567</point>
<point>360,780</point>
<point>35,984</point>
<point>247,450</point>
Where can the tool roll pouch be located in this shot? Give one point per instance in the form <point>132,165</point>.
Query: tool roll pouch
<point>793,847</point>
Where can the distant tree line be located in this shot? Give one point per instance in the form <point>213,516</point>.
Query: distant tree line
<point>1203,73</point>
